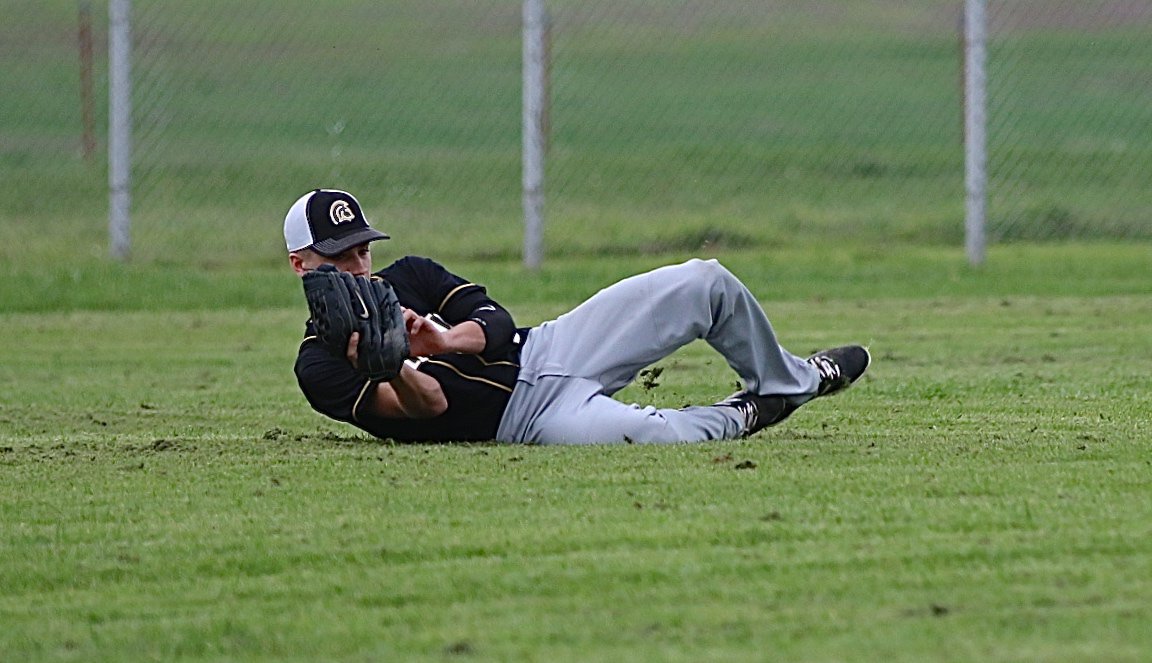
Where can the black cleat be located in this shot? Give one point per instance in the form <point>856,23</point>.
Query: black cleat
<point>759,412</point>
<point>839,367</point>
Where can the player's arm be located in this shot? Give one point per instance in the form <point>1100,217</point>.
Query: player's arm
<point>410,395</point>
<point>479,325</point>
<point>425,338</point>
<point>485,325</point>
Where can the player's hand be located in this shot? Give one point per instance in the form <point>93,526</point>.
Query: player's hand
<point>353,350</point>
<point>424,339</point>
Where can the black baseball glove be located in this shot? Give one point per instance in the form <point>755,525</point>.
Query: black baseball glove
<point>341,303</point>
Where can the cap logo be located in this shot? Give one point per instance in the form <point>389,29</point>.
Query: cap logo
<point>341,212</point>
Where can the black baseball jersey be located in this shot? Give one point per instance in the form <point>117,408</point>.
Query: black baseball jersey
<point>477,387</point>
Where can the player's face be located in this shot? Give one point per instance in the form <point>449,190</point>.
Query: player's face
<point>356,260</point>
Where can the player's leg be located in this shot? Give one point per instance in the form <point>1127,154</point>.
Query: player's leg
<point>605,342</point>
<point>640,320</point>
<point>564,410</point>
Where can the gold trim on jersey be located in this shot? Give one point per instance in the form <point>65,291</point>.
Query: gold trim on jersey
<point>471,377</point>
<point>453,293</point>
<point>496,363</point>
<point>356,405</point>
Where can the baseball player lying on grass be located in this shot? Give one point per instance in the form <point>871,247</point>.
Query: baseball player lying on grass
<point>414,352</point>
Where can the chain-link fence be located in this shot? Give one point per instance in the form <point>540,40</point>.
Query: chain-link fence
<point>243,106</point>
<point>1070,119</point>
<point>49,111</point>
<point>674,124</point>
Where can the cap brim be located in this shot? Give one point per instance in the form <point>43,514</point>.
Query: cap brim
<point>334,246</point>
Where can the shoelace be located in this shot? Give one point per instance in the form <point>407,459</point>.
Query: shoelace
<point>746,408</point>
<point>829,370</point>
<point>750,412</point>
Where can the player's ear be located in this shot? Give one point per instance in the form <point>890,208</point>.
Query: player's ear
<point>298,262</point>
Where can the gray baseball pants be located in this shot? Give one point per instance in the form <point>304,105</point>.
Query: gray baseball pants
<point>571,366</point>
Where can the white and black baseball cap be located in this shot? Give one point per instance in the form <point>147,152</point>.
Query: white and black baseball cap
<point>329,222</point>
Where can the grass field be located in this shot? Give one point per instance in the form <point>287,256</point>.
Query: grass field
<point>166,494</point>
<point>983,494</point>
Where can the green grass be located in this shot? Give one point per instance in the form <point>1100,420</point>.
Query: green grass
<point>982,494</point>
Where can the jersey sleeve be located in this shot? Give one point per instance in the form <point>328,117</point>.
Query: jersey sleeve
<point>425,286</point>
<point>331,385</point>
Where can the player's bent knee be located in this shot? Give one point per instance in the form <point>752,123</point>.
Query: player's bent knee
<point>700,272</point>
<point>706,277</point>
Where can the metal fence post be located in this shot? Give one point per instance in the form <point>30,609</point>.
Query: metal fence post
<point>975,130</point>
<point>535,104</point>
<point>119,127</point>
